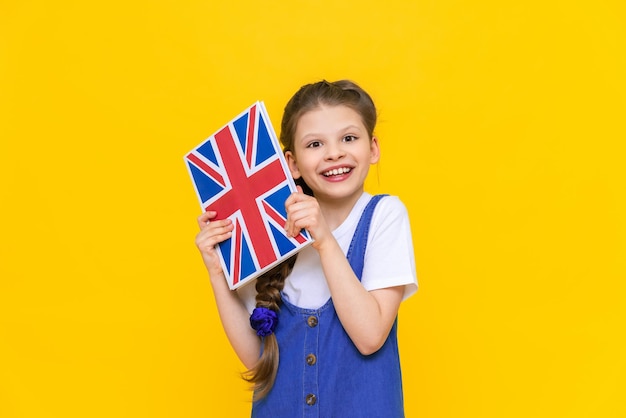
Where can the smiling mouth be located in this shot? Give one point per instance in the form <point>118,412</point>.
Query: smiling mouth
<point>337,171</point>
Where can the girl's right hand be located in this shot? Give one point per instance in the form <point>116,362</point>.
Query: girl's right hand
<point>212,233</point>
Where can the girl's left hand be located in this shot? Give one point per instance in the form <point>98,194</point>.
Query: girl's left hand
<point>303,212</point>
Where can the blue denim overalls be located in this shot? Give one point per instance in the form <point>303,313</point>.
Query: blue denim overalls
<point>321,373</point>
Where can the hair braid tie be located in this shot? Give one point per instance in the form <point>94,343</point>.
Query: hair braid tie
<point>263,321</point>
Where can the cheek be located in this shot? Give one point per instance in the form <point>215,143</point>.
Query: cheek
<point>307,172</point>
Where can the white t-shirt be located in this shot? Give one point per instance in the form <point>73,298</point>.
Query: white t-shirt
<point>389,259</point>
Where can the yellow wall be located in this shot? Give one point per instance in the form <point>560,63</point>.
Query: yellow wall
<point>502,128</point>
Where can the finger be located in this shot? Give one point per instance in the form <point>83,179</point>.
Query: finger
<point>217,232</point>
<point>213,240</point>
<point>299,206</point>
<point>289,225</point>
<point>204,219</point>
<point>296,198</point>
<point>295,222</point>
<point>218,227</point>
<point>290,200</point>
<point>294,232</point>
<point>291,229</point>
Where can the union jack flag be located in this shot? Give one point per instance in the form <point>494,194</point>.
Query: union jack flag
<point>241,173</point>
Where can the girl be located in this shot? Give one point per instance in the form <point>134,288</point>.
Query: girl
<point>332,308</point>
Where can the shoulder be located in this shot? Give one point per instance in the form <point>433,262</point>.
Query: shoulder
<point>390,219</point>
<point>389,216</point>
<point>390,209</point>
<point>392,202</point>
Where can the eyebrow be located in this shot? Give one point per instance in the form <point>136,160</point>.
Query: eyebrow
<point>342,130</point>
<point>349,127</point>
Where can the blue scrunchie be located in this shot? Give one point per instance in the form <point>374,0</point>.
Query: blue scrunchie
<point>263,321</point>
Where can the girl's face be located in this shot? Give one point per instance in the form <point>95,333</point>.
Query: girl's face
<point>332,152</point>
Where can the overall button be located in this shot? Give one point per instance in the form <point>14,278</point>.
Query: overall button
<point>311,399</point>
<point>311,359</point>
<point>312,321</point>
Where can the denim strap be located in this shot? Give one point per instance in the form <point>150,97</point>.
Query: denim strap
<point>358,245</point>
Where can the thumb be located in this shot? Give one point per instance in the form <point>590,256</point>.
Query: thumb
<point>299,189</point>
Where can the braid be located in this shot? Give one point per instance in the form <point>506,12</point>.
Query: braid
<point>268,287</point>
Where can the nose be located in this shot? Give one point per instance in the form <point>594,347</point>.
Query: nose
<point>334,152</point>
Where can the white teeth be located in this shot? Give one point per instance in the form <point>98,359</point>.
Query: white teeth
<point>337,171</point>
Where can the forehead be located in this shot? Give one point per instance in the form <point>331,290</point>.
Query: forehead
<point>328,120</point>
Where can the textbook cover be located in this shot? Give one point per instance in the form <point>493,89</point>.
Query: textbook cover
<point>240,172</point>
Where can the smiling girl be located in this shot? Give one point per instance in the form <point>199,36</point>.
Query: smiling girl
<point>332,309</point>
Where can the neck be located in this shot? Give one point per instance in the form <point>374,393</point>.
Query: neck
<point>335,211</point>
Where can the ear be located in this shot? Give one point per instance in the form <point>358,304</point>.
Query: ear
<point>291,163</point>
<point>374,150</point>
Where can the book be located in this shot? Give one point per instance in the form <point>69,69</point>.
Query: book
<point>241,173</point>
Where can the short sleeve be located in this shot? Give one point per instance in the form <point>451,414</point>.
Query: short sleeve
<point>389,258</point>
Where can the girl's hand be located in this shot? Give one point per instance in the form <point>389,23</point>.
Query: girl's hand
<point>212,233</point>
<point>303,212</point>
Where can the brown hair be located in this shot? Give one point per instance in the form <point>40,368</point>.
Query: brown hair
<point>270,284</point>
<point>268,287</point>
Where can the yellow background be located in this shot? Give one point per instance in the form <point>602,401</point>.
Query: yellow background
<point>502,129</point>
